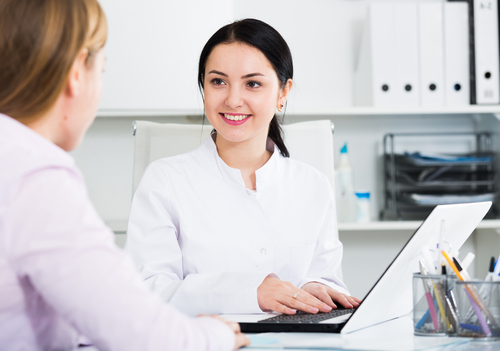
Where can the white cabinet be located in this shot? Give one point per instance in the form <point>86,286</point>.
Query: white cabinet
<point>152,53</point>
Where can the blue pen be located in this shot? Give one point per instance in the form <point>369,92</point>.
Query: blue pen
<point>472,327</point>
<point>425,317</point>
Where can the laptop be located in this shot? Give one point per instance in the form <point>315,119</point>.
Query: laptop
<point>391,296</point>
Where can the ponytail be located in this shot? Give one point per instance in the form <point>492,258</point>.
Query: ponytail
<point>276,135</point>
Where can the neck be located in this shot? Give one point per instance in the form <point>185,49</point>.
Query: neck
<point>247,156</point>
<point>48,125</point>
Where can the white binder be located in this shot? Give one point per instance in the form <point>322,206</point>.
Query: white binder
<point>407,87</point>
<point>456,53</point>
<point>374,77</point>
<point>430,29</point>
<point>387,70</point>
<point>486,51</point>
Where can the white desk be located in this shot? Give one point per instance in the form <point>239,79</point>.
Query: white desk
<point>395,335</point>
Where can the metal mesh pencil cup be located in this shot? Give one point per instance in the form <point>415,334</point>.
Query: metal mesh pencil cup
<point>478,308</point>
<point>431,305</point>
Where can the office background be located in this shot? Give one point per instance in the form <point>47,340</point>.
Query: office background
<point>152,53</point>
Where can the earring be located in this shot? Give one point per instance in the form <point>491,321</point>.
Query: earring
<point>280,108</point>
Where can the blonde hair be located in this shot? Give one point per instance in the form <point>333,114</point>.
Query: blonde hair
<point>39,42</point>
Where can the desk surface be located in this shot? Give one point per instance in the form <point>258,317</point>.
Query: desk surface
<point>395,335</point>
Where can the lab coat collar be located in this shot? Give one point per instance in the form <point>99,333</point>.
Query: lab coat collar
<point>264,175</point>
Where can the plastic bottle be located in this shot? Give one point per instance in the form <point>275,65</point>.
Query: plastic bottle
<point>363,199</point>
<point>347,211</point>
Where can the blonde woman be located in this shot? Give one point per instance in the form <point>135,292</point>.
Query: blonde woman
<point>60,273</point>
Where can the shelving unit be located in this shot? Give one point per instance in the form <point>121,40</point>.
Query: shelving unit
<point>393,226</point>
<point>348,118</point>
<point>345,111</point>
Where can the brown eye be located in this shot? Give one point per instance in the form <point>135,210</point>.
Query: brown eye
<point>217,81</point>
<point>253,84</point>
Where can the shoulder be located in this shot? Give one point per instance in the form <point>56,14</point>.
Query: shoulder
<point>25,154</point>
<point>178,164</point>
<point>303,172</point>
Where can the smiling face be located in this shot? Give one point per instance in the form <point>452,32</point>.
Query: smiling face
<point>242,92</point>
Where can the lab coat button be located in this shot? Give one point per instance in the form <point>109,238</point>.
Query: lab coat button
<point>263,251</point>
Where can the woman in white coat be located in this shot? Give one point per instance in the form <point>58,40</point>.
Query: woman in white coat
<point>61,275</point>
<point>236,226</point>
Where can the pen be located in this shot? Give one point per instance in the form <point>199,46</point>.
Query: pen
<point>428,295</point>
<point>428,263</point>
<point>497,268</point>
<point>438,292</point>
<point>480,317</point>
<point>463,272</point>
<point>440,242</point>
<point>484,287</point>
<point>452,265</point>
<point>475,302</point>
<point>491,270</point>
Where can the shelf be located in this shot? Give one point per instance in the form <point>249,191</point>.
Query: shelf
<point>148,113</point>
<point>344,111</point>
<point>121,227</point>
<point>403,225</point>
<point>378,111</point>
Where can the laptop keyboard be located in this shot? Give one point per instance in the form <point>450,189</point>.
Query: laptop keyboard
<point>303,317</point>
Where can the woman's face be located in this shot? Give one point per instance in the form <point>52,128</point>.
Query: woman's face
<point>242,92</point>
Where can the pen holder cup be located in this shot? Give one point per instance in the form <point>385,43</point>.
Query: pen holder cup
<point>430,307</point>
<point>477,308</point>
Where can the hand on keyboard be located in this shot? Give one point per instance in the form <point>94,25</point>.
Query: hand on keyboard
<point>330,296</point>
<point>284,297</point>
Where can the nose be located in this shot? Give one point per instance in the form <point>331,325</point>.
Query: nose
<point>234,98</point>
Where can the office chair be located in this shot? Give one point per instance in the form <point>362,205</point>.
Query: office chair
<point>309,142</point>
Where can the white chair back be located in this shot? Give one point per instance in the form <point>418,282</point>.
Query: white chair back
<point>309,142</point>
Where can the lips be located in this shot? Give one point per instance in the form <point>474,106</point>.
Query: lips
<point>234,119</point>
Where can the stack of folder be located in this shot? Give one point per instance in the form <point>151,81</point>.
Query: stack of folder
<point>429,54</point>
<point>416,182</point>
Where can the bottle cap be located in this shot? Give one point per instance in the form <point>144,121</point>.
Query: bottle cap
<point>344,149</point>
<point>362,194</point>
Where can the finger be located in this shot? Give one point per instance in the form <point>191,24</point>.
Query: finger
<point>356,299</point>
<point>313,301</point>
<point>280,308</point>
<point>323,296</point>
<point>353,301</point>
<point>320,294</point>
<point>299,305</point>
<point>341,298</point>
<point>240,341</point>
<point>234,327</point>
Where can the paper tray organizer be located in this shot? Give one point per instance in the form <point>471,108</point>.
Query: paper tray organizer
<point>415,183</point>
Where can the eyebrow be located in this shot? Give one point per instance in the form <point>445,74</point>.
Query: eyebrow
<point>243,77</point>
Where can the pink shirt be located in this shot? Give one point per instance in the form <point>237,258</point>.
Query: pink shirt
<point>61,275</point>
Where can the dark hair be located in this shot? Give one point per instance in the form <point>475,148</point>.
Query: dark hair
<point>265,38</point>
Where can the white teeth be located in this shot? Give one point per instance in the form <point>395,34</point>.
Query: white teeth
<point>236,117</point>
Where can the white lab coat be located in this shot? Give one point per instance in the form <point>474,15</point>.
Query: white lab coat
<point>205,243</point>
